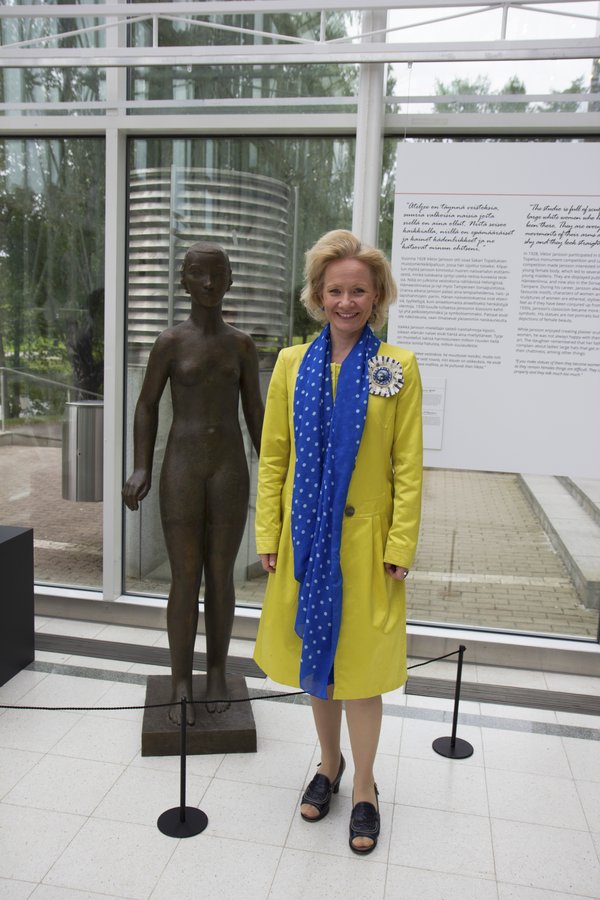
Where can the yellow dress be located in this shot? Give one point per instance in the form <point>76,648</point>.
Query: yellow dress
<point>381,523</point>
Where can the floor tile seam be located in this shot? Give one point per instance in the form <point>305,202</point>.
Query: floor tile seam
<point>563,827</point>
<point>570,779</point>
<point>42,754</point>
<point>34,884</point>
<point>276,787</point>
<point>394,794</point>
<point>549,827</point>
<point>35,806</point>
<point>578,791</point>
<point>42,879</point>
<point>474,876</point>
<point>160,875</point>
<point>368,860</point>
<point>452,872</point>
<point>596,844</point>
<point>79,718</point>
<point>441,809</point>
<point>452,812</point>
<point>295,813</point>
<point>575,782</point>
<point>219,835</point>
<point>275,740</point>
<point>87,759</point>
<point>472,764</point>
<point>489,808</point>
<point>545,890</point>
<point>92,814</point>
<point>45,809</point>
<point>276,870</point>
<point>94,759</point>
<point>26,690</point>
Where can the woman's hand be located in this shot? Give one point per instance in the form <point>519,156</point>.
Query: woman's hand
<point>268,561</point>
<point>398,573</point>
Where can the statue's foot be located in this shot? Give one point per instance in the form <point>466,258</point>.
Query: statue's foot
<point>175,710</point>
<point>175,714</point>
<point>217,695</point>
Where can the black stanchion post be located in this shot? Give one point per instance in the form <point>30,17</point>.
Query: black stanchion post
<point>183,760</point>
<point>182,821</point>
<point>453,747</point>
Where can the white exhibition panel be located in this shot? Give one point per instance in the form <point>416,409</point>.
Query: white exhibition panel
<point>496,252</point>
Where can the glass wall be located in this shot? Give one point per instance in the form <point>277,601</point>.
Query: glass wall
<point>266,200</point>
<point>485,558</point>
<point>22,90</point>
<point>51,351</point>
<point>240,87</point>
<point>495,86</point>
<point>489,556</point>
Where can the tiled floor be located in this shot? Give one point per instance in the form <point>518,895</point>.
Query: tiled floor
<point>518,820</point>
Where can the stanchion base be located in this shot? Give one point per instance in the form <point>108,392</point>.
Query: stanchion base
<point>170,822</point>
<point>460,750</point>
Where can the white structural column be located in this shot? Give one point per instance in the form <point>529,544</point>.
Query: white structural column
<point>114,338</point>
<point>369,137</point>
<point>114,325</point>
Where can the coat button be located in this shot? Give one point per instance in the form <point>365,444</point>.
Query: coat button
<point>349,511</point>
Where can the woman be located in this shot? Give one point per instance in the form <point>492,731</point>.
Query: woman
<point>337,517</point>
<point>204,482</point>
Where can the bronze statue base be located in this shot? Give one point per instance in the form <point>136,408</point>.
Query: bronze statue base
<point>232,731</point>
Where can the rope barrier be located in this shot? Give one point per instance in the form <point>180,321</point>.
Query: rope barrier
<point>437,659</point>
<point>148,705</point>
<point>203,702</point>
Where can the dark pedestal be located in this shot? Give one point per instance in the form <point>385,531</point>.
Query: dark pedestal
<point>232,731</point>
<point>16,600</point>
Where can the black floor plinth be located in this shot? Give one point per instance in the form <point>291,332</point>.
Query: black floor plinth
<point>232,731</point>
<point>16,600</point>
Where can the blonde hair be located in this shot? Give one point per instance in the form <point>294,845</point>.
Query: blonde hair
<point>342,244</point>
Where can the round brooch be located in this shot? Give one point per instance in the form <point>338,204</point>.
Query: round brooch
<point>385,376</point>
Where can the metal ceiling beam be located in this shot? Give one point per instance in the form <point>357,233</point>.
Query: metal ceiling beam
<point>313,124</point>
<point>241,7</point>
<point>271,54</point>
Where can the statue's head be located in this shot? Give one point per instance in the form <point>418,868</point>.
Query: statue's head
<point>207,257</point>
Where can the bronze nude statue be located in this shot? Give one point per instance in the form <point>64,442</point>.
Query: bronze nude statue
<point>204,482</point>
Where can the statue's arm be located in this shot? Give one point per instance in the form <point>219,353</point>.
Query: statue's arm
<point>252,403</point>
<point>145,423</point>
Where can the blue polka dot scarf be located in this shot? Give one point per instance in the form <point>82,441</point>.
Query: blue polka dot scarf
<point>327,436</point>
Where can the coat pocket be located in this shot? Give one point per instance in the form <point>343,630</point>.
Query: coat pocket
<point>387,595</point>
<point>371,598</point>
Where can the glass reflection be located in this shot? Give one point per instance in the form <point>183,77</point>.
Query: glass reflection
<point>51,348</point>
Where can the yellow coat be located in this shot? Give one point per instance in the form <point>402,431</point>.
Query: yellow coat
<point>381,523</point>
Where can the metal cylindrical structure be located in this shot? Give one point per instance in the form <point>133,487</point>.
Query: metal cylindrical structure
<point>82,451</point>
<point>170,209</point>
